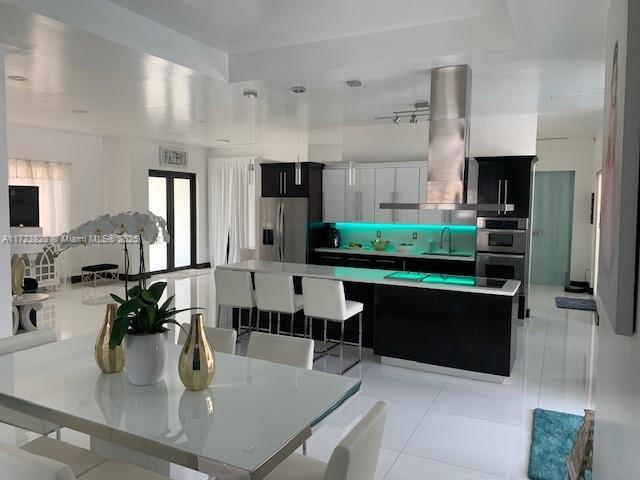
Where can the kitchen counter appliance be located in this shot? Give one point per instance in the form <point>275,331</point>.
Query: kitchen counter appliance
<point>502,252</point>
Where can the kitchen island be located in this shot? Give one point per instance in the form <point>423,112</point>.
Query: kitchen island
<point>450,324</point>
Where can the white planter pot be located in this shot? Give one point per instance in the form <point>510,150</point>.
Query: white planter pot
<point>145,357</point>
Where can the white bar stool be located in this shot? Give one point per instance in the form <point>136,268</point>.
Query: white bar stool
<point>324,300</point>
<point>235,290</point>
<point>275,294</point>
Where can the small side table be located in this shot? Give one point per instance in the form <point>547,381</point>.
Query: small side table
<point>22,306</point>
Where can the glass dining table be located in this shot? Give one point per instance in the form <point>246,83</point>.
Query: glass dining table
<point>253,415</point>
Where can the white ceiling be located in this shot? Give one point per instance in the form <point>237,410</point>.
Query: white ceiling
<point>527,57</point>
<point>244,25</point>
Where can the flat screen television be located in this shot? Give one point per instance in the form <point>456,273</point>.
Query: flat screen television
<point>24,208</point>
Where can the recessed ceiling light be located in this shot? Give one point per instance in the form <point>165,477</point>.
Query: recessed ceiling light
<point>221,140</point>
<point>250,93</point>
<point>298,89</point>
<point>354,83</point>
<point>18,78</point>
<point>79,111</point>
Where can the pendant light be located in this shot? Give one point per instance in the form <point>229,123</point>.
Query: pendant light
<point>298,167</point>
<point>351,174</point>
<point>251,95</point>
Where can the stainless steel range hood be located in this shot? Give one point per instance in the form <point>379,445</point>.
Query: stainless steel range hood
<point>452,177</point>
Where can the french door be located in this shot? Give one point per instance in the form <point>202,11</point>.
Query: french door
<point>172,196</point>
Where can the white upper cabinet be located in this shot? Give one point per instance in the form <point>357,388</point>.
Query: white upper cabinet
<point>427,216</point>
<point>385,192</point>
<point>405,183</point>
<point>407,191</point>
<point>361,197</point>
<point>334,195</point>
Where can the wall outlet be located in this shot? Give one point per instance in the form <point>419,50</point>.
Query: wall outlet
<point>415,235</point>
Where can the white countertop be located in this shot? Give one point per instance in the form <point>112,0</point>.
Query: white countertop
<point>370,275</point>
<point>416,253</point>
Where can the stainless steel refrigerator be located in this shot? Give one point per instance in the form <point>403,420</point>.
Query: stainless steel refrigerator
<point>284,225</point>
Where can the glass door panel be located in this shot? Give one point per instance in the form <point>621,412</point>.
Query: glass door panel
<point>172,195</point>
<point>158,206</point>
<point>552,225</point>
<point>182,222</point>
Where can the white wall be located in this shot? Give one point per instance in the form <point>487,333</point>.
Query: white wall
<point>577,156</point>
<point>132,158</point>
<point>386,142</point>
<point>86,185</point>
<point>6,328</point>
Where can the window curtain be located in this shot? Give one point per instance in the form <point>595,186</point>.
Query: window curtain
<point>52,178</point>
<point>231,209</point>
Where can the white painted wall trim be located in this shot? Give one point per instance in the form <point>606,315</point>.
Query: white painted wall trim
<point>6,323</point>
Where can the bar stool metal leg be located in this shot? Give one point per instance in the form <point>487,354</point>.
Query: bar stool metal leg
<point>360,337</point>
<point>341,346</point>
<point>326,349</point>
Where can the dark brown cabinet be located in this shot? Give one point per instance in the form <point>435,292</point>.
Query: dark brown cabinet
<point>505,180</point>
<point>279,179</point>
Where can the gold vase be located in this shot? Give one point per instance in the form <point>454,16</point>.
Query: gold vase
<point>109,361</point>
<point>197,363</point>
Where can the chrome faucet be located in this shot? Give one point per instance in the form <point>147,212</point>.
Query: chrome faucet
<point>446,229</point>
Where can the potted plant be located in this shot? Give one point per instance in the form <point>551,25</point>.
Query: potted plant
<point>141,323</point>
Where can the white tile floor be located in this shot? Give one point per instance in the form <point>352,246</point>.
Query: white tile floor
<point>438,427</point>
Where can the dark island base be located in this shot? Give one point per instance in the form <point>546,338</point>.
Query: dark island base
<point>465,331</point>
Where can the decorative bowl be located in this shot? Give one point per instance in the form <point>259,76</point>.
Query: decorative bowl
<point>379,244</point>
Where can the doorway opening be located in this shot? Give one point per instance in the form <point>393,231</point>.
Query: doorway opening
<point>552,228</point>
<point>172,195</point>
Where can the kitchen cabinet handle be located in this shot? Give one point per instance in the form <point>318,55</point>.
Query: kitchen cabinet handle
<point>352,259</point>
<point>280,184</point>
<point>284,174</point>
<point>499,194</point>
<point>506,186</point>
<point>499,255</point>
<point>381,260</point>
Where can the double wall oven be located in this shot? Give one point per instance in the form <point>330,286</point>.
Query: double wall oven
<point>502,252</point>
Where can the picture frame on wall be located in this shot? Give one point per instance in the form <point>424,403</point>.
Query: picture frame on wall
<point>172,158</point>
<point>618,255</point>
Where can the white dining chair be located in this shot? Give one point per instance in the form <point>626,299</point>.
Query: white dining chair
<point>275,294</point>
<point>221,339</point>
<point>292,351</point>
<point>324,300</point>
<point>55,460</point>
<point>354,458</point>
<point>235,290</point>
<point>17,343</point>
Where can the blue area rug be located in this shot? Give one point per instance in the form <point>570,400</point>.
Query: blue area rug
<point>576,303</point>
<point>552,439</point>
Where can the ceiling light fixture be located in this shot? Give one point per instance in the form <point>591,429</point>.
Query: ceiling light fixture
<point>251,95</point>
<point>421,109</point>
<point>354,83</point>
<point>18,78</point>
<point>298,89</point>
<point>221,140</point>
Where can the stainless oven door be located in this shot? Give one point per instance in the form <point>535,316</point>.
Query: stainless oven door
<point>502,241</point>
<point>500,265</point>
